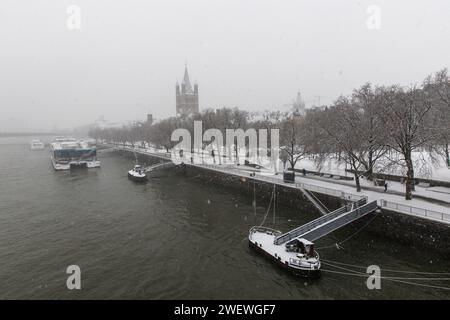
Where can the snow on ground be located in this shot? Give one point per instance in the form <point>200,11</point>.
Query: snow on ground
<point>440,190</point>
<point>434,170</point>
<point>438,193</point>
<point>348,187</point>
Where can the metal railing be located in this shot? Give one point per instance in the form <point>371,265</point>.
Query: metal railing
<point>403,208</point>
<point>275,180</point>
<point>315,201</point>
<point>340,221</point>
<point>442,216</point>
<point>298,185</point>
<point>267,230</point>
<point>329,191</point>
<point>165,155</point>
<point>358,210</point>
<point>309,226</point>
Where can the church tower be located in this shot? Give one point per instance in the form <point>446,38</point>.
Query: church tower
<point>298,106</point>
<point>186,97</point>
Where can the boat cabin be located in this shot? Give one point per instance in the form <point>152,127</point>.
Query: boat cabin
<point>301,246</point>
<point>137,168</point>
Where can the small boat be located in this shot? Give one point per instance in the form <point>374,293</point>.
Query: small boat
<point>297,255</point>
<point>137,174</point>
<point>36,145</point>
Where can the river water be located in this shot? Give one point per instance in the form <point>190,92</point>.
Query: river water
<point>174,237</point>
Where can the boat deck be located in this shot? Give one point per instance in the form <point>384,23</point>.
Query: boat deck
<point>264,241</point>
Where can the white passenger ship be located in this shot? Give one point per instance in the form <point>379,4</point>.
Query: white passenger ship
<point>69,153</point>
<point>36,145</point>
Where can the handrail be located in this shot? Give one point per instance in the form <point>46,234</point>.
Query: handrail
<point>329,191</point>
<point>407,209</point>
<point>310,225</point>
<point>265,230</point>
<point>320,202</point>
<point>323,220</point>
<point>315,201</point>
<point>340,221</point>
<point>309,187</point>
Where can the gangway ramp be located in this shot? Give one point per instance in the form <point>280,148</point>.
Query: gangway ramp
<point>159,166</point>
<point>107,150</point>
<point>324,225</point>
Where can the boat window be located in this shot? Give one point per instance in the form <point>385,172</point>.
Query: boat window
<point>75,154</point>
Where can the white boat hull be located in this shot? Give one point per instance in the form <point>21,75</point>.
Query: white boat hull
<point>36,145</point>
<point>34,148</point>
<point>75,164</point>
<point>137,177</point>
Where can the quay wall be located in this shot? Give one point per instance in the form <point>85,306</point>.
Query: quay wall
<point>416,232</point>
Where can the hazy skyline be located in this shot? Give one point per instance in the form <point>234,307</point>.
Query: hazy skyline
<point>125,60</point>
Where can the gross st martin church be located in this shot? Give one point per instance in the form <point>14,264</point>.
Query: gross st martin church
<point>186,97</point>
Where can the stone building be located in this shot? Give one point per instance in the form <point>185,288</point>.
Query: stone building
<point>186,97</point>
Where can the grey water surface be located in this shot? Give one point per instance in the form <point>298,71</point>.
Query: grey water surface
<point>174,237</point>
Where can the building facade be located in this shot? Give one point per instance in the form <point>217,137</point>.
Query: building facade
<point>150,118</point>
<point>298,106</point>
<point>186,96</point>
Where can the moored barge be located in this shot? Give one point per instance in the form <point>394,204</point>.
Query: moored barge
<point>297,255</point>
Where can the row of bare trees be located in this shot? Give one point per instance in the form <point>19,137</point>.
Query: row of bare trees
<point>373,124</point>
<point>389,123</point>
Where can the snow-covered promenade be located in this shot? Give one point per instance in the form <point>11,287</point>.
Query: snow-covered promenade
<point>432,203</point>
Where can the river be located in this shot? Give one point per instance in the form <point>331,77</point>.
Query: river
<point>172,238</point>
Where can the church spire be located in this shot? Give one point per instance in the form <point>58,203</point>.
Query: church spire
<point>186,81</point>
<point>187,97</point>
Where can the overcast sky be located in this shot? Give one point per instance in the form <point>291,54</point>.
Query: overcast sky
<point>254,54</point>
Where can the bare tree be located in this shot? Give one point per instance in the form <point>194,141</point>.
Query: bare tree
<point>267,120</point>
<point>342,134</point>
<point>404,114</point>
<point>438,86</point>
<point>371,126</point>
<point>161,132</point>
<point>293,138</point>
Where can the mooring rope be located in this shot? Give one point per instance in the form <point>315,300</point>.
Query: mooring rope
<point>268,209</point>
<point>254,196</point>
<point>388,279</point>
<point>386,270</point>
<point>274,198</point>
<point>420,284</point>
